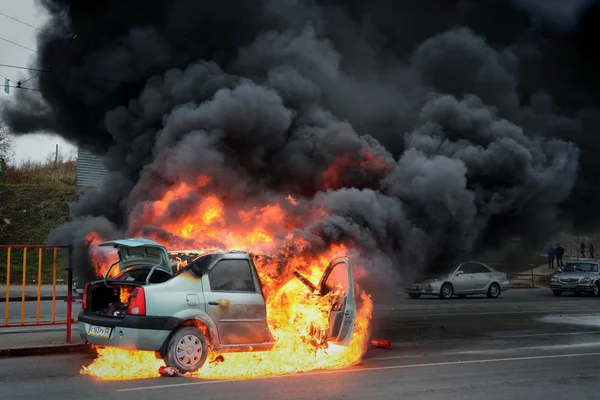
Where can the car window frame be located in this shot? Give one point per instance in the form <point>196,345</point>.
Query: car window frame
<point>252,276</point>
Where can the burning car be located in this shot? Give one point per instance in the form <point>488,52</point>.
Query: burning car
<point>214,301</point>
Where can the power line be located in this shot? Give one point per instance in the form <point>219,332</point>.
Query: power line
<point>50,71</point>
<point>21,22</point>
<point>24,68</point>
<point>26,88</point>
<point>17,44</point>
<point>31,77</point>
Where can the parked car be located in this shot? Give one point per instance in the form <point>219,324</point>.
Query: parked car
<point>462,279</point>
<point>214,301</point>
<point>577,277</point>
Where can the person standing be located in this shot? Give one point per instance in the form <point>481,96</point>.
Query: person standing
<point>559,252</point>
<point>551,258</point>
<point>582,248</point>
<point>591,247</point>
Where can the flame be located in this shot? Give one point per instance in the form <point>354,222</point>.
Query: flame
<point>101,257</point>
<point>125,293</point>
<point>298,319</point>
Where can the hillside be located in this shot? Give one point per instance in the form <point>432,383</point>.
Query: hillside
<point>28,213</point>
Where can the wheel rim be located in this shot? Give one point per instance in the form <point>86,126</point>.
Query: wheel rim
<point>494,290</point>
<point>596,290</point>
<point>188,351</point>
<point>446,291</point>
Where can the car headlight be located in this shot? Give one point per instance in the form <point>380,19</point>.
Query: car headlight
<point>586,280</point>
<point>554,279</point>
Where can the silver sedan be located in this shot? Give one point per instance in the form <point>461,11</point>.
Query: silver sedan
<point>467,278</point>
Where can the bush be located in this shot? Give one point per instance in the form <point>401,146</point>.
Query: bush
<point>57,169</point>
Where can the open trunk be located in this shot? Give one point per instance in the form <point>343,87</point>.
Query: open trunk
<point>141,262</point>
<point>112,299</point>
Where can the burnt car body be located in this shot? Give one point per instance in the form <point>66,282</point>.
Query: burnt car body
<point>215,301</point>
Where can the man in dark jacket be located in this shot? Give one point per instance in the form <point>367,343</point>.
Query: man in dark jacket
<point>582,247</point>
<point>559,252</point>
<point>591,247</point>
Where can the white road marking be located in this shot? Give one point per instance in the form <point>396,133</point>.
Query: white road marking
<point>492,351</point>
<point>492,338</point>
<point>438,364</point>
<point>475,313</point>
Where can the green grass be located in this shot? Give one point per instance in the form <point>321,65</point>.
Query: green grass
<point>28,213</point>
<point>33,265</point>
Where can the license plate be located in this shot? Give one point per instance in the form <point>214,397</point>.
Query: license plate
<point>99,331</point>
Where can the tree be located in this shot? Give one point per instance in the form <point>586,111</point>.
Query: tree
<point>5,143</point>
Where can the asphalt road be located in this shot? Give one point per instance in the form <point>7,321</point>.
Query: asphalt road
<point>526,344</point>
<point>530,373</point>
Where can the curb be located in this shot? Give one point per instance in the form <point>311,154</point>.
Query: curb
<point>46,350</point>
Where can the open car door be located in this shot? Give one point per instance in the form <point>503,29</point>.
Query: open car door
<point>338,277</point>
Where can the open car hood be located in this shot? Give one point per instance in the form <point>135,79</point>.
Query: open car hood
<point>140,253</point>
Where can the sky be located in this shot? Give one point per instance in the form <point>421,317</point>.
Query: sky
<point>30,147</point>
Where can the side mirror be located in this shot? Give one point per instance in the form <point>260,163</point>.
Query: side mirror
<point>459,273</point>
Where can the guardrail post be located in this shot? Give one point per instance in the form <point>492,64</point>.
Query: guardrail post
<point>69,294</point>
<point>7,287</point>
<point>23,288</point>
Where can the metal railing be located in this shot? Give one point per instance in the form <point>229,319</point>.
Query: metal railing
<point>47,272</point>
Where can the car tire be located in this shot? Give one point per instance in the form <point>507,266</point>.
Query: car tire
<point>414,295</point>
<point>596,291</point>
<point>493,291</point>
<point>446,291</point>
<point>187,350</point>
<point>557,293</point>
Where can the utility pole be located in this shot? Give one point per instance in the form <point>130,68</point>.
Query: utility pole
<point>56,156</point>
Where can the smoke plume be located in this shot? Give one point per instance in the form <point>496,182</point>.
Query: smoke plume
<point>418,131</point>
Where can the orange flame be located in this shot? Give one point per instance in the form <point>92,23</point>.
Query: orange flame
<point>295,316</point>
<point>101,258</point>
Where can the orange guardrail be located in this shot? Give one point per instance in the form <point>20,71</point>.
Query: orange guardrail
<point>44,271</point>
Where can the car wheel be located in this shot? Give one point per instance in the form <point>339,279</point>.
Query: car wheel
<point>557,292</point>
<point>446,291</point>
<point>187,350</point>
<point>414,295</point>
<point>493,291</point>
<point>596,291</point>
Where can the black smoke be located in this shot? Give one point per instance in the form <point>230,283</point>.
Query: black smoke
<point>461,124</point>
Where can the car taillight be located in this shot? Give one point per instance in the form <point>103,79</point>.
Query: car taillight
<point>84,303</point>
<point>137,305</point>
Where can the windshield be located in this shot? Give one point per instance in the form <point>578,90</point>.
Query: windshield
<point>581,267</point>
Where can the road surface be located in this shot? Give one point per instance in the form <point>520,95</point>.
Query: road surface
<point>526,344</point>
<point>557,372</point>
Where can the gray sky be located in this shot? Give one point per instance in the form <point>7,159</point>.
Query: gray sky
<point>34,147</point>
